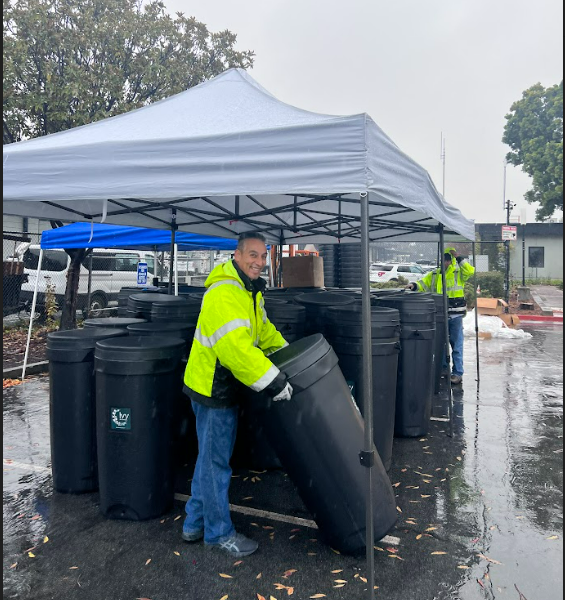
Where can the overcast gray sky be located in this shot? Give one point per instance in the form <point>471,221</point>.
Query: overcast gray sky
<point>418,67</point>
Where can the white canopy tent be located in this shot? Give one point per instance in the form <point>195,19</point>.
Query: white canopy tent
<point>227,157</point>
<point>230,158</point>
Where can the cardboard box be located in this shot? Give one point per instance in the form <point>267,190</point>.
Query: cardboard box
<point>303,271</point>
<point>511,321</point>
<point>493,307</point>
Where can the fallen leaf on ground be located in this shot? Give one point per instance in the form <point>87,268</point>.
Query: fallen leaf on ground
<point>337,571</point>
<point>490,560</point>
<point>147,561</point>
<point>31,554</point>
<point>45,539</point>
<point>259,576</point>
<point>419,537</point>
<point>318,596</point>
<point>177,518</point>
<point>463,567</point>
<point>72,568</point>
<point>176,553</point>
<point>224,576</point>
<point>289,573</point>
<point>430,529</point>
<point>259,597</point>
<point>14,565</point>
<point>340,581</point>
<point>438,553</point>
<point>553,537</point>
<point>236,564</point>
<point>224,597</point>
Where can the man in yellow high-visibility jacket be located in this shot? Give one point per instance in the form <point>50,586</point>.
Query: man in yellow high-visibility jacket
<point>230,352</point>
<point>458,271</point>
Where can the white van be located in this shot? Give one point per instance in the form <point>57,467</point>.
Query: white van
<point>111,271</point>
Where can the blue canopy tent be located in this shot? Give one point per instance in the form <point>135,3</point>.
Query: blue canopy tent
<point>99,235</point>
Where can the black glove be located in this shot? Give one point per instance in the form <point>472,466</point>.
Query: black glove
<point>277,385</point>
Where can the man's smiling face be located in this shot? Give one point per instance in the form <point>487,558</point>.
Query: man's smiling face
<point>252,258</point>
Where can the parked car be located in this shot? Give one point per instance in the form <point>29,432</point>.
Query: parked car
<point>111,271</point>
<point>385,272</point>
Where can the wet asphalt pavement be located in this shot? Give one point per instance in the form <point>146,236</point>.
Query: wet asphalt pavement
<point>481,512</point>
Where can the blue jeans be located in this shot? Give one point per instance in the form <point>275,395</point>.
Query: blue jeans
<point>456,339</point>
<point>208,509</point>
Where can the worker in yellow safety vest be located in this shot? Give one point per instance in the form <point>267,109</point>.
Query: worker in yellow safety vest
<point>229,355</point>
<point>458,271</point>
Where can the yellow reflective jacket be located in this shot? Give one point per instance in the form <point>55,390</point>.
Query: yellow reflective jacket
<point>232,340</point>
<point>456,275</point>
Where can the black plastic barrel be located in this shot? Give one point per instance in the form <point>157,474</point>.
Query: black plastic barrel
<point>439,350</point>
<point>72,403</point>
<point>416,365</point>
<point>318,435</point>
<point>176,309</point>
<point>139,305</point>
<point>289,319</point>
<point>183,331</point>
<point>113,322</point>
<point>345,334</point>
<point>316,305</point>
<point>136,383</point>
<point>126,292</point>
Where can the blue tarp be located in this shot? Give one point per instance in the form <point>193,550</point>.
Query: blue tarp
<point>77,235</point>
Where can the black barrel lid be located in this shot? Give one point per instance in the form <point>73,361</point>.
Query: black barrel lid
<point>162,299</point>
<point>276,301</point>
<point>81,339</point>
<point>135,348</point>
<point>182,329</point>
<point>354,313</point>
<point>304,290</point>
<point>139,290</point>
<point>301,355</point>
<point>324,299</point>
<point>113,322</point>
<point>388,292</point>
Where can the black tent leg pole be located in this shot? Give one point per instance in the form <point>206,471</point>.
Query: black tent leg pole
<point>475,285</point>
<point>447,342</point>
<point>368,454</point>
<point>172,252</point>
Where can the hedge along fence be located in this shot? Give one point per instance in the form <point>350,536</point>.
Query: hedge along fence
<point>491,285</point>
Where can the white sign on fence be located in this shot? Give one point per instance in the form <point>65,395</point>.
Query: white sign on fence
<point>142,273</point>
<point>509,233</point>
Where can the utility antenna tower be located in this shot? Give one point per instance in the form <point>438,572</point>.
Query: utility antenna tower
<point>442,157</point>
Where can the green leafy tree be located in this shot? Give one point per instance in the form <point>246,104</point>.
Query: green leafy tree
<point>534,132</point>
<point>72,62</point>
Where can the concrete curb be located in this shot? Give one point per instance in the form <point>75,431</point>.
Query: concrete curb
<point>547,310</point>
<point>541,319</point>
<point>31,369</point>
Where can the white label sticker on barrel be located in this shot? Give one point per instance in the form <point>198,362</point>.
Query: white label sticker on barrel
<point>352,387</point>
<point>120,418</point>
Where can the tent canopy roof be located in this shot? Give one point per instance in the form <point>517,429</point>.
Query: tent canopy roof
<point>230,157</point>
<point>96,235</point>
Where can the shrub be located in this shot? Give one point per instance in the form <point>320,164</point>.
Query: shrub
<point>491,284</point>
<point>402,282</point>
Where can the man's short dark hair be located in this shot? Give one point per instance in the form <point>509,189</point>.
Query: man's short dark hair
<point>249,235</point>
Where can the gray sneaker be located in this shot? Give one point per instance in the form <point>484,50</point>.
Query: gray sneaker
<point>237,545</point>
<point>194,536</point>
<point>456,379</point>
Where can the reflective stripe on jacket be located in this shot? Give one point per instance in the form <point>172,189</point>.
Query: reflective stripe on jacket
<point>456,275</point>
<point>232,340</point>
